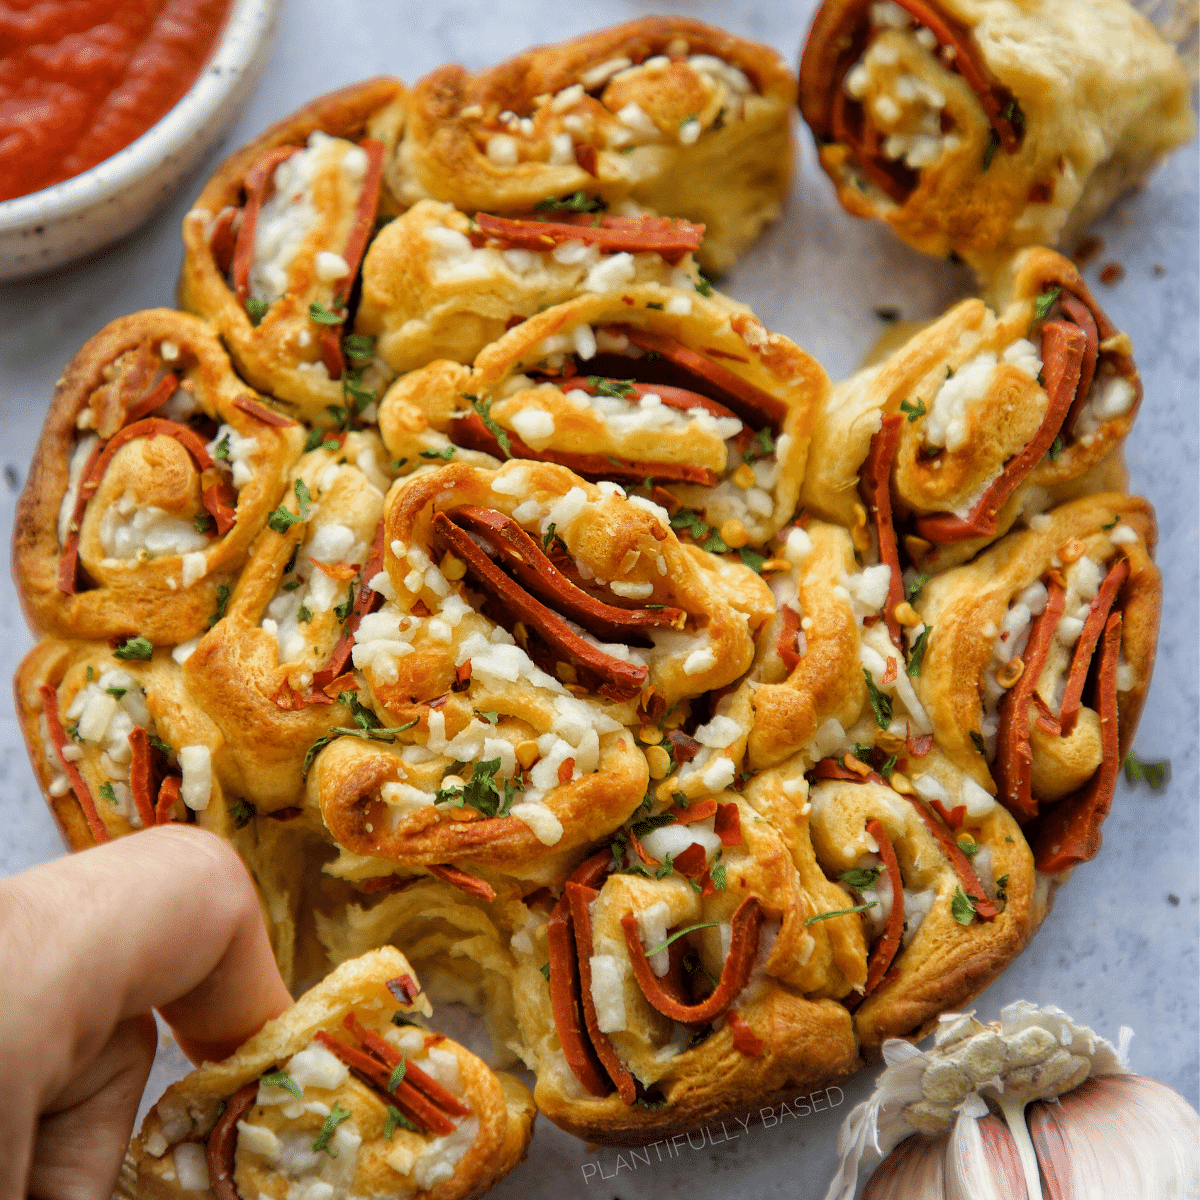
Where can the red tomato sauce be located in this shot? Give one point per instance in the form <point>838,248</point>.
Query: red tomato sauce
<point>81,79</point>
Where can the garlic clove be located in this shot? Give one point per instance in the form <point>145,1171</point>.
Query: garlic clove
<point>982,1162</point>
<point>915,1170</point>
<point>1117,1137</point>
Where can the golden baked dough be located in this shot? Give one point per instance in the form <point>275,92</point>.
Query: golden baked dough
<point>663,114</point>
<point>488,674</point>
<point>116,741</point>
<point>239,1127</point>
<point>270,672</point>
<point>436,287</point>
<point>688,392</point>
<point>980,617</point>
<point>156,469</point>
<point>274,242</point>
<point>981,126</point>
<point>984,415</point>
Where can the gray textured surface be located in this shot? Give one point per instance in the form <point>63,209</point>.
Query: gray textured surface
<point>1121,944</point>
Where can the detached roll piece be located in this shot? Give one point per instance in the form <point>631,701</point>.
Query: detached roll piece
<point>981,127</point>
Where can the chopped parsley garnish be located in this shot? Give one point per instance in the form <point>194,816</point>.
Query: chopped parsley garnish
<point>621,388</point>
<point>337,1115</point>
<point>704,287</point>
<point>962,907</point>
<point>282,519</point>
<point>106,790</point>
<point>969,846</point>
<point>366,725</point>
<point>447,453</point>
<point>881,702</point>
<point>315,438</point>
<point>482,791</point>
<point>1156,775</point>
<point>291,585</point>
<point>135,647</point>
<point>752,559</point>
<point>396,1117</point>
<point>841,912</point>
<point>913,588</point>
<point>1044,303</point>
<point>990,151</point>
<point>913,410</point>
<point>977,738</point>
<point>576,202</point>
<point>545,970</point>
<point>358,345</point>
<point>397,1075</point>
<point>1002,890</point>
<point>717,872</point>
<point>916,652</point>
<point>202,523</point>
<point>689,519</point>
<point>256,310</point>
<point>762,445</point>
<point>490,717</point>
<point>889,767</point>
<point>222,603</point>
<point>861,878</point>
<point>550,538</point>
<point>678,934</point>
<point>221,450</point>
<point>160,745</point>
<point>1112,524</point>
<point>342,611</point>
<point>323,316</point>
<point>243,812</point>
<point>91,674</point>
<point>1015,115</point>
<point>484,409</point>
<point>1056,448</point>
<point>281,1079</point>
<point>304,615</point>
<point>715,544</point>
<point>118,692</point>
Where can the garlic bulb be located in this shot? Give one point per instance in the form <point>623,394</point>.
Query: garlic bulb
<point>1094,1131</point>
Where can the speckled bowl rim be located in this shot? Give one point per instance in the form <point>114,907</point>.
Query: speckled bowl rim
<point>249,24</point>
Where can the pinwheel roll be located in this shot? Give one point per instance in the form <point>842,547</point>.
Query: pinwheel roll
<point>155,471</point>
<point>274,244</point>
<point>946,889</point>
<point>531,619</point>
<point>115,740</point>
<point>986,415</point>
<point>981,127</point>
<point>1038,658</point>
<point>665,114</point>
<point>642,385</point>
<point>438,284</point>
<point>346,1093</point>
<point>272,668</point>
<point>695,1000</point>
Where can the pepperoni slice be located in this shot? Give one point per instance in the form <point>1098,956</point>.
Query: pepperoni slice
<point>59,740</point>
<point>669,236</point>
<point>1081,660</point>
<point>222,1142</point>
<point>887,945</point>
<point>874,484</point>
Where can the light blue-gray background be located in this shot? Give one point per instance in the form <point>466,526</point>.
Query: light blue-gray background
<point>1121,944</point>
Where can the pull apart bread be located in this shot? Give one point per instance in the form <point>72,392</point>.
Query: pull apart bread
<point>545,619</point>
<point>346,1094</point>
<point>978,127</point>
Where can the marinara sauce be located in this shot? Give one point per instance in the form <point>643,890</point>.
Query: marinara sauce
<point>81,79</point>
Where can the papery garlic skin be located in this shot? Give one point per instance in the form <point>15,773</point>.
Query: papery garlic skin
<point>1031,1053</point>
<point>1118,1137</point>
<point>982,1162</point>
<point>914,1171</point>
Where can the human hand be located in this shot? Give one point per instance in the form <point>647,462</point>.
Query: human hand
<point>89,945</point>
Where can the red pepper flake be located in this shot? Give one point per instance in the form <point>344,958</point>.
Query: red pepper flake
<point>918,746</point>
<point>684,748</point>
<point>404,988</point>
<point>728,825</point>
<point>786,645</point>
<point>889,674</point>
<point>339,571</point>
<point>585,157</point>
<point>745,1040</point>
<point>462,677</point>
<point>1113,273</point>
<point>565,770</point>
<point>692,862</point>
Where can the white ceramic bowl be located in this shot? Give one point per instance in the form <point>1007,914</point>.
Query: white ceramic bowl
<point>60,223</point>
